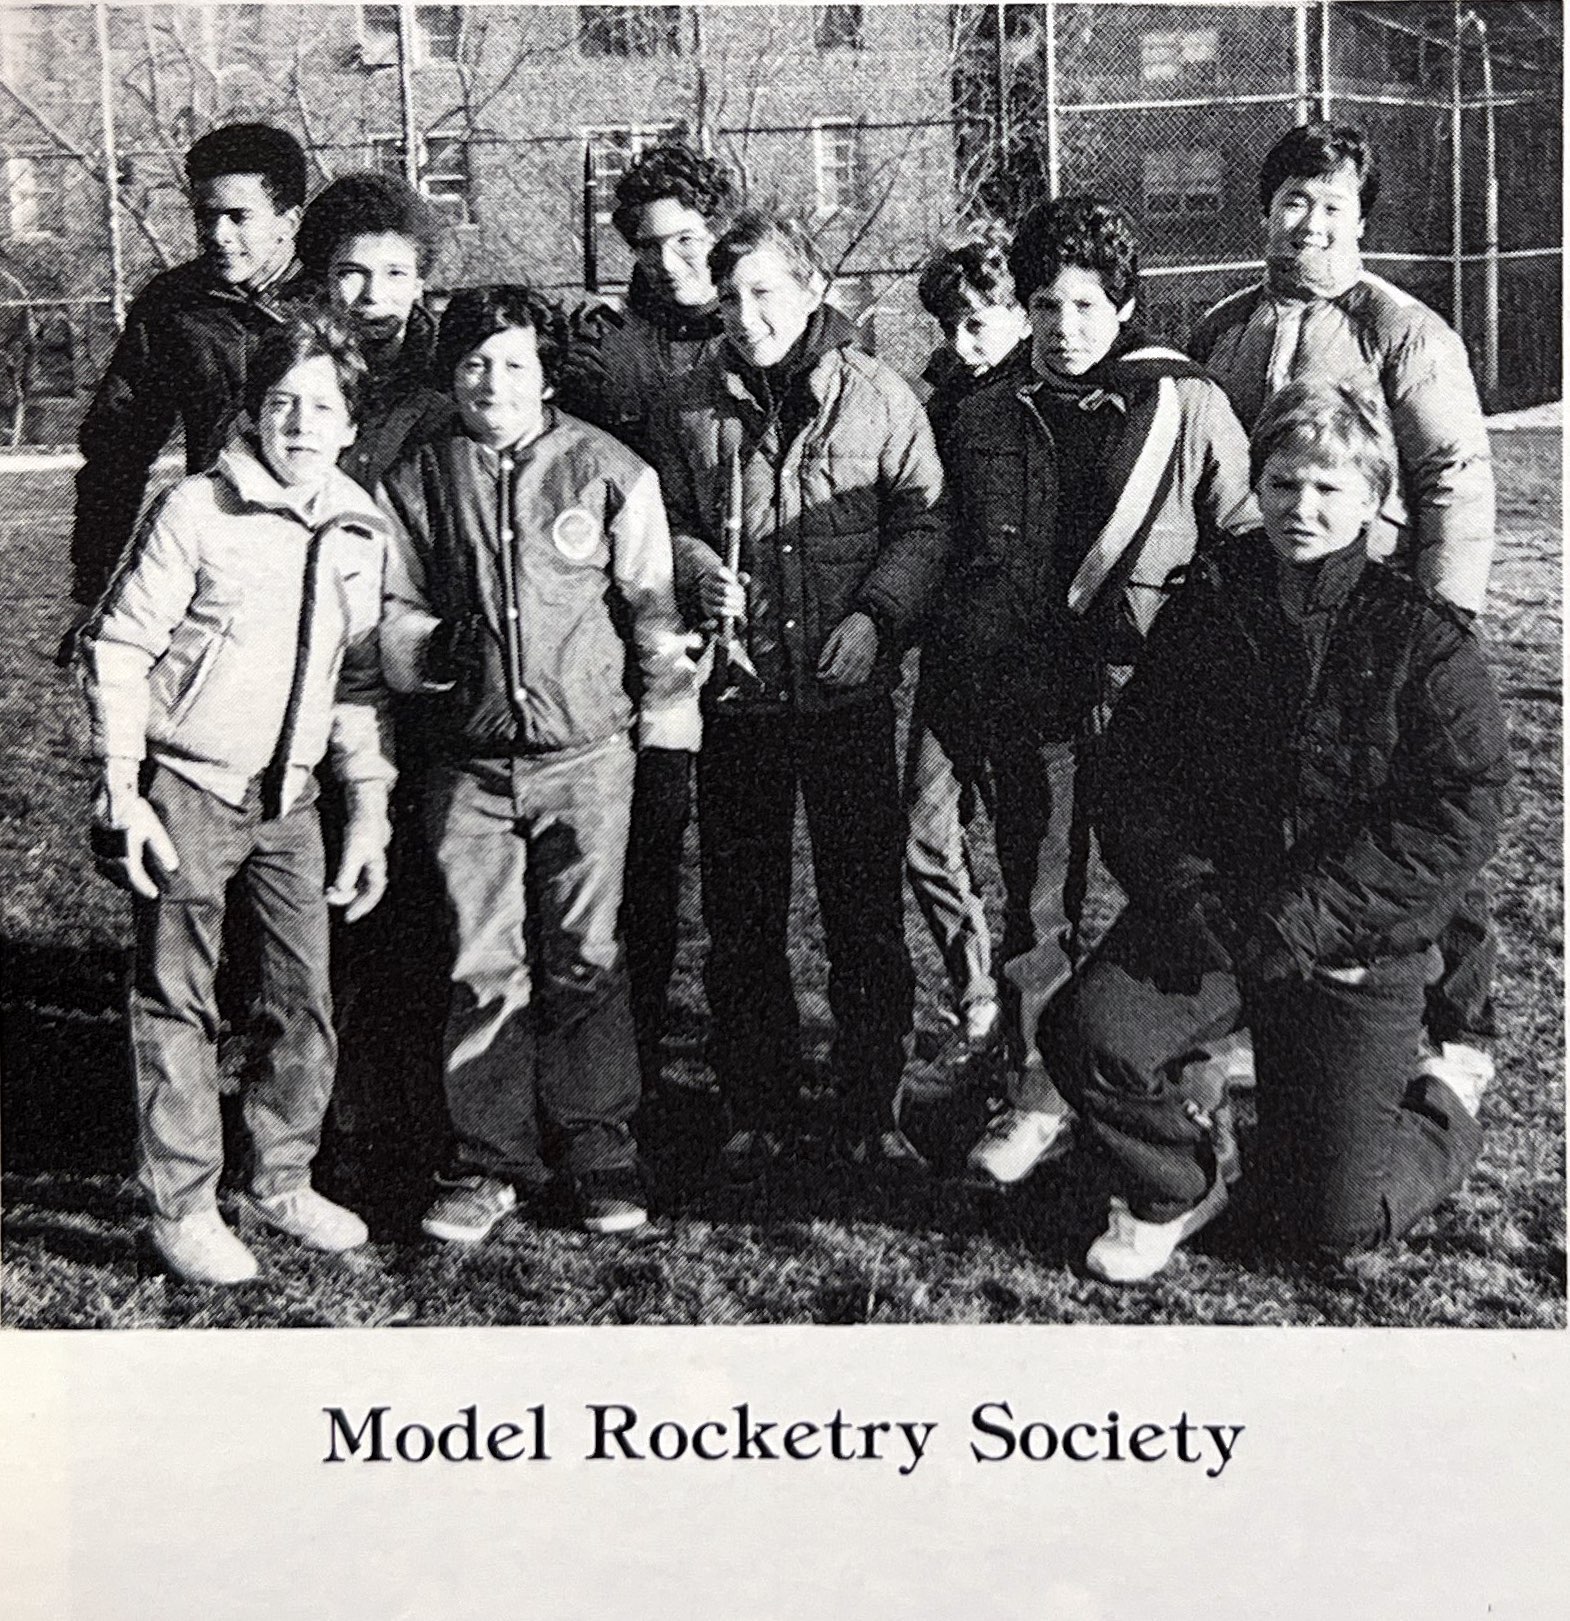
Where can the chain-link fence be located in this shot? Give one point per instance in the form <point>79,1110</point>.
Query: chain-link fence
<point>888,127</point>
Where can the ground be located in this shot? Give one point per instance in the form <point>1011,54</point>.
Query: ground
<point>820,1243</point>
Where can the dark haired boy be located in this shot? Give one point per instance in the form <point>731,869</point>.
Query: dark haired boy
<point>1320,314</point>
<point>367,243</point>
<point>532,566</point>
<point>181,361</point>
<point>620,365</point>
<point>968,290</point>
<point>1078,490</point>
<point>236,645</point>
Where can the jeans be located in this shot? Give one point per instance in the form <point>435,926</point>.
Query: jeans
<point>938,864</point>
<point>174,1013</point>
<point>1353,1148</point>
<point>651,909</point>
<point>539,1039</point>
<point>1035,826</point>
<point>748,775</point>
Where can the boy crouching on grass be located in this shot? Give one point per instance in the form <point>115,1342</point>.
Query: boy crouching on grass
<point>236,645</point>
<point>532,561</point>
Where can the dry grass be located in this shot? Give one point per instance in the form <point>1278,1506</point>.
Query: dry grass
<point>820,1243</point>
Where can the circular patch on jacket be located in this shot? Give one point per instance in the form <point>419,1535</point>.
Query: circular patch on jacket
<point>576,533</point>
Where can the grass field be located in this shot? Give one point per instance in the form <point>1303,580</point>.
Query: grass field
<point>818,1244</point>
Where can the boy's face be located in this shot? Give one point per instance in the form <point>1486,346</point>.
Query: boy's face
<point>500,389</point>
<point>1073,322</point>
<point>671,243</point>
<point>375,280</point>
<point>1314,502</point>
<point>1313,229</point>
<point>304,423</point>
<point>245,237</point>
<point>765,308</point>
<point>987,334</point>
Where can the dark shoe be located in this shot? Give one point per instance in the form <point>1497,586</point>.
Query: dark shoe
<point>468,1208</point>
<point>612,1201</point>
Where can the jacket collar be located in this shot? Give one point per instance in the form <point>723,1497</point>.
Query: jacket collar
<point>337,498</point>
<point>1323,586</point>
<point>681,323</point>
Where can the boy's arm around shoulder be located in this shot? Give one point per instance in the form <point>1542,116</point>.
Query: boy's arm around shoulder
<point>695,560</point>
<point>1224,498</point>
<point>408,619</point>
<point>643,563</point>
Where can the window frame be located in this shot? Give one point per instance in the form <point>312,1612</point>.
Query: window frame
<point>640,138</point>
<point>825,130</point>
<point>1194,182</point>
<point>628,33</point>
<point>1187,73</point>
<point>839,28</point>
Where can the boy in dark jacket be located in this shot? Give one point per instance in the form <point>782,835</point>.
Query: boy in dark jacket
<point>181,361</point>
<point>1301,782</point>
<point>969,291</point>
<point>811,467</point>
<point>620,366</point>
<point>533,565</point>
<point>1079,488</point>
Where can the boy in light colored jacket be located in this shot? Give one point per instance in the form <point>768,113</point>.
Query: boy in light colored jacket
<point>235,646</point>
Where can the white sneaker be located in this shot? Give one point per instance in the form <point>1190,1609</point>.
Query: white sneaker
<point>304,1214</point>
<point>1131,1250</point>
<point>1468,1072</point>
<point>982,1022</point>
<point>201,1249</point>
<point>1017,1141</point>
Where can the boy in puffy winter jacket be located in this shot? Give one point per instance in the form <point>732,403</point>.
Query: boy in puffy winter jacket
<point>235,646</point>
<point>1079,489</point>
<point>532,563</point>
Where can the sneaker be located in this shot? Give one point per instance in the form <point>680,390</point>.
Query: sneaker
<point>982,1022</point>
<point>1468,1071</point>
<point>1131,1250</point>
<point>750,1152</point>
<point>889,1148</point>
<point>611,1201</point>
<point>1016,1142</point>
<point>304,1214</point>
<point>201,1249</point>
<point>468,1208</point>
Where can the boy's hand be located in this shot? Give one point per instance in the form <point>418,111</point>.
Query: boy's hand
<point>456,648</point>
<point>131,847</point>
<point>722,594</point>
<point>849,653</point>
<point>362,869</point>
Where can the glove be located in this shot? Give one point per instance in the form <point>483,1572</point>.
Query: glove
<point>132,849</point>
<point>456,648</point>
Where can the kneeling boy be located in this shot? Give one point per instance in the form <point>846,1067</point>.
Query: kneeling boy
<point>235,645</point>
<point>1302,780</point>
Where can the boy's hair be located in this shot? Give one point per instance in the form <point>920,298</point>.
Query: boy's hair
<point>672,170</point>
<point>476,313</point>
<point>366,204</point>
<point>753,230</point>
<point>257,149</point>
<point>307,334</point>
<point>1312,150</point>
<point>1340,419</point>
<point>973,274</point>
<point>1077,232</point>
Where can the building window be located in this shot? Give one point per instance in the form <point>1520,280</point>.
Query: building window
<point>1417,47</point>
<point>840,167</point>
<point>445,174</point>
<point>378,36</point>
<point>839,28</point>
<point>1183,58</point>
<point>439,30</point>
<point>629,30</point>
<point>51,354</point>
<point>35,194</point>
<point>614,149</point>
<point>1182,183</point>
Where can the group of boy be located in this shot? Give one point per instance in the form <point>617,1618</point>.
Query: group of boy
<point>1073,477</point>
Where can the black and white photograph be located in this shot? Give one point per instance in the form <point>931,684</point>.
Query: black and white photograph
<point>992,570</point>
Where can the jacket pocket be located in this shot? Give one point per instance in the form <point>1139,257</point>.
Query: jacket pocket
<point>187,686</point>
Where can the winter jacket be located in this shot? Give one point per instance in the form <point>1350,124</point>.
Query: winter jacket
<point>181,361</point>
<point>401,406</point>
<point>561,547</point>
<point>622,361</point>
<point>192,654</point>
<point>840,485</point>
<point>1440,522</point>
<point>1030,641</point>
<point>1323,789</point>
